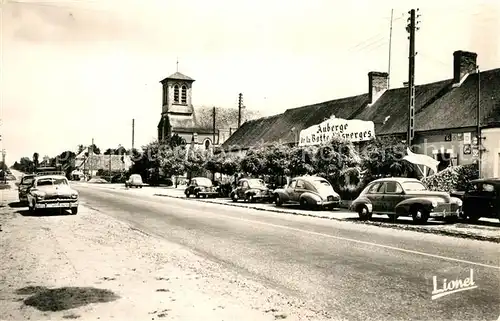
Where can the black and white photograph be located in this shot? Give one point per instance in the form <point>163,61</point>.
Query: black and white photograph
<point>249,160</point>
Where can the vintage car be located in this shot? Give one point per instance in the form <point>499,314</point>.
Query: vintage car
<point>52,192</point>
<point>201,187</point>
<point>251,190</point>
<point>308,191</point>
<point>24,184</point>
<point>398,196</point>
<point>135,180</point>
<point>481,199</point>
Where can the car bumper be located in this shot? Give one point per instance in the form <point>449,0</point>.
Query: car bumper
<point>330,203</point>
<point>65,204</point>
<point>445,212</point>
<point>208,193</point>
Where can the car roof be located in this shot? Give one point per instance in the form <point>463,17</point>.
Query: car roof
<point>49,176</point>
<point>310,178</point>
<point>395,179</point>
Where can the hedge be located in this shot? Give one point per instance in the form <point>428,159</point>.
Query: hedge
<point>453,178</point>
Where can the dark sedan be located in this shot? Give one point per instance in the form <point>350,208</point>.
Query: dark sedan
<point>482,199</point>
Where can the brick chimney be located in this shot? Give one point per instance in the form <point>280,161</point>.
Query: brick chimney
<point>378,83</point>
<point>464,63</point>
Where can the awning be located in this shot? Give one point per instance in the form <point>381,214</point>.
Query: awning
<point>420,159</point>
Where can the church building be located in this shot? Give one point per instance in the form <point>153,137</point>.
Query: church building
<point>194,124</point>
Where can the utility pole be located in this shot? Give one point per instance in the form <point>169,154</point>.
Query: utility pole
<point>213,125</point>
<point>390,50</point>
<point>133,133</point>
<point>479,136</point>
<point>91,152</point>
<point>411,28</point>
<point>240,106</point>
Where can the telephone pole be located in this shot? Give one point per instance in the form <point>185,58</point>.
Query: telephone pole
<point>240,106</point>
<point>133,133</point>
<point>411,28</point>
<point>390,51</point>
<point>91,152</point>
<point>479,136</point>
<point>213,125</point>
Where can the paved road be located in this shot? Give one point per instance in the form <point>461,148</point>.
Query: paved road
<point>355,272</point>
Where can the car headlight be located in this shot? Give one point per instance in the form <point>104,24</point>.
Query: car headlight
<point>459,203</point>
<point>74,195</point>
<point>434,203</point>
<point>39,196</point>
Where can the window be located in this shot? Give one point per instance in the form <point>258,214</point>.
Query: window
<point>300,184</point>
<point>193,182</point>
<point>292,184</point>
<point>207,143</point>
<point>165,96</point>
<point>184,95</point>
<point>176,94</point>
<point>256,183</point>
<point>393,187</point>
<point>414,186</point>
<point>245,184</point>
<point>375,187</point>
<point>488,188</point>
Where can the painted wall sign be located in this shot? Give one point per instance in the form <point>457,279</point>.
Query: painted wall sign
<point>354,130</point>
<point>447,138</point>
<point>467,138</point>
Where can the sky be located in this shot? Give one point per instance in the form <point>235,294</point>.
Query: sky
<point>76,70</point>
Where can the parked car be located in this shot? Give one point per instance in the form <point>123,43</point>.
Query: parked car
<point>251,190</point>
<point>24,184</point>
<point>308,191</point>
<point>201,187</point>
<point>135,180</point>
<point>481,199</point>
<point>398,196</point>
<point>50,192</point>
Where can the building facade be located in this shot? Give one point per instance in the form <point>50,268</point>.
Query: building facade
<point>446,121</point>
<point>203,126</point>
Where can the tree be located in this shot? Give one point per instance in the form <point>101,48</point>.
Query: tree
<point>172,162</point>
<point>35,161</point>
<point>277,160</point>
<point>194,161</point>
<point>81,148</point>
<point>383,157</point>
<point>67,161</point>
<point>95,150</point>
<point>254,162</point>
<point>301,160</point>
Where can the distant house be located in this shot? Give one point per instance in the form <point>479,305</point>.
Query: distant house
<point>195,124</point>
<point>102,162</point>
<point>445,116</point>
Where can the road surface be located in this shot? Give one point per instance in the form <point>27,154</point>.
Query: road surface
<point>353,271</point>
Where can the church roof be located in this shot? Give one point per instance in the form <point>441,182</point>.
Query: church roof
<point>178,76</point>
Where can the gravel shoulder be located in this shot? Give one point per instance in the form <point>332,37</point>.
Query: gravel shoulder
<point>92,267</point>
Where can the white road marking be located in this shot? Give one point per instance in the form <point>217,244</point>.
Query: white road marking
<point>350,240</point>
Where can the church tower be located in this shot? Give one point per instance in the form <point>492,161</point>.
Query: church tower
<point>177,107</point>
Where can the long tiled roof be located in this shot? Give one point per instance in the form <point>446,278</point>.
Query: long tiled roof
<point>439,105</point>
<point>279,127</point>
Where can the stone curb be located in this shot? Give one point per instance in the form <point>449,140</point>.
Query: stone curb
<point>379,224</point>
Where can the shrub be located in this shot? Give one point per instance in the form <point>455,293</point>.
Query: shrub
<point>452,178</point>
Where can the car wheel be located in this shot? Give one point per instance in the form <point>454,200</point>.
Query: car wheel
<point>419,215</point>
<point>187,194</point>
<point>234,197</point>
<point>303,204</point>
<point>363,213</point>
<point>277,200</point>
<point>393,217</point>
<point>197,194</point>
<point>74,210</point>
<point>250,199</point>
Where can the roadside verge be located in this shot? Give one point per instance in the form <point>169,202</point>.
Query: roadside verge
<point>483,231</point>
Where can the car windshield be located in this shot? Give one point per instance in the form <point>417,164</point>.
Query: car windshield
<point>204,182</point>
<point>414,186</point>
<point>27,181</point>
<point>52,181</point>
<point>256,183</point>
<point>320,183</point>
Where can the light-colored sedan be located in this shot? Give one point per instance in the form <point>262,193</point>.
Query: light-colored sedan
<point>52,192</point>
